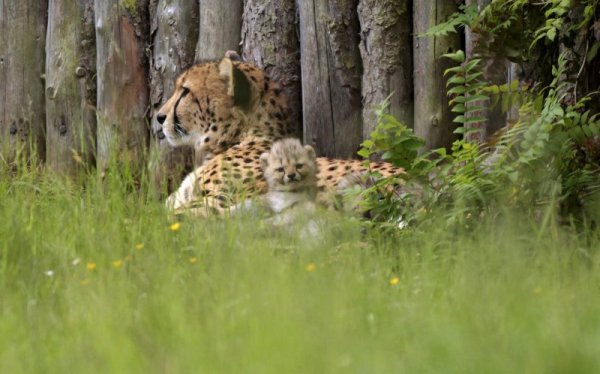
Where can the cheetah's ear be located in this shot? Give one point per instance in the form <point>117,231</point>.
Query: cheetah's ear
<point>264,160</point>
<point>310,151</point>
<point>238,85</point>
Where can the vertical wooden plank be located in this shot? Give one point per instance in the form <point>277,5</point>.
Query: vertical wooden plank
<point>386,50</point>
<point>270,40</point>
<point>220,28</point>
<point>174,33</point>
<point>70,86</point>
<point>331,76</point>
<point>122,76</point>
<point>433,120</point>
<point>22,62</point>
<point>499,75</point>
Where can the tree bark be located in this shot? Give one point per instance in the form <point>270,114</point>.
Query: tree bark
<point>122,72</point>
<point>22,62</point>
<point>331,76</point>
<point>220,28</point>
<point>270,40</point>
<point>433,120</point>
<point>174,33</point>
<point>70,86</point>
<point>386,50</point>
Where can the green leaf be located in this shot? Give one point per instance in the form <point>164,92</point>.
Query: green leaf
<point>459,108</point>
<point>470,120</point>
<point>456,90</point>
<point>455,80</point>
<point>592,52</point>
<point>458,56</point>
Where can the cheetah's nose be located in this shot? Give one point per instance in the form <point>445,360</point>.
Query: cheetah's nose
<point>161,118</point>
<point>292,176</point>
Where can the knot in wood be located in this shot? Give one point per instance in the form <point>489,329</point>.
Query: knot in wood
<point>62,128</point>
<point>80,72</point>
<point>50,92</point>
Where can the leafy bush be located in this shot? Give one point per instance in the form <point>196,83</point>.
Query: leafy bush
<point>546,163</point>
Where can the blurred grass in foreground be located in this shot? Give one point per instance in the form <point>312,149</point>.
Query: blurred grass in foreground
<point>99,279</point>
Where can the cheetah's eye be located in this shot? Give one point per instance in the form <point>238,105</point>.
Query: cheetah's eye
<point>279,170</point>
<point>299,166</point>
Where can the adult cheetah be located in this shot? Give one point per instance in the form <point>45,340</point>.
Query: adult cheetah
<point>232,112</point>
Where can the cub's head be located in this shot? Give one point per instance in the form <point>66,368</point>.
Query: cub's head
<point>209,105</point>
<point>289,165</point>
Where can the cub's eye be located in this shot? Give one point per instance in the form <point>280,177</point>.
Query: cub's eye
<point>299,166</point>
<point>279,170</point>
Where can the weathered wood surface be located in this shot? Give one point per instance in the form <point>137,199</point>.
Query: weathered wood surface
<point>270,40</point>
<point>174,32</point>
<point>22,64</point>
<point>122,84</point>
<point>331,76</point>
<point>70,86</point>
<point>499,75</point>
<point>433,120</point>
<point>219,28</point>
<point>386,50</point>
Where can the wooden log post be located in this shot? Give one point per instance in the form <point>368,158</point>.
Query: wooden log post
<point>175,32</point>
<point>22,62</point>
<point>386,50</point>
<point>220,28</point>
<point>433,120</point>
<point>70,86</point>
<point>497,72</point>
<point>122,72</point>
<point>331,76</point>
<point>270,41</point>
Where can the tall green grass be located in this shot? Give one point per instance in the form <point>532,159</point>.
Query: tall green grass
<point>78,293</point>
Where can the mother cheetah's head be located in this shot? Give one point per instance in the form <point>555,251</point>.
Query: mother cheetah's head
<point>209,105</point>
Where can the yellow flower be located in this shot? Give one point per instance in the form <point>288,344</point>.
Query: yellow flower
<point>394,281</point>
<point>139,246</point>
<point>91,266</point>
<point>175,227</point>
<point>117,264</point>
<point>193,260</point>
<point>311,267</point>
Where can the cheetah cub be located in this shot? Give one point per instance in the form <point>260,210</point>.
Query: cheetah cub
<point>290,171</point>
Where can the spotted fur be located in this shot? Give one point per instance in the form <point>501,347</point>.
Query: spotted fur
<point>232,113</point>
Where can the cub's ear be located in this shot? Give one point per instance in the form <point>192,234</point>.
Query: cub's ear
<point>310,151</point>
<point>238,85</point>
<point>264,160</point>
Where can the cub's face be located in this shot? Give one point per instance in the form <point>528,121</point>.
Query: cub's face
<point>289,165</point>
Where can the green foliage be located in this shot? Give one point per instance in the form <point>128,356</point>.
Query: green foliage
<point>546,165</point>
<point>98,280</point>
<point>394,141</point>
<point>467,15</point>
<point>547,162</point>
<point>466,92</point>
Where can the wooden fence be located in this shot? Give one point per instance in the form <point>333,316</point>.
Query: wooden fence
<point>80,80</point>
